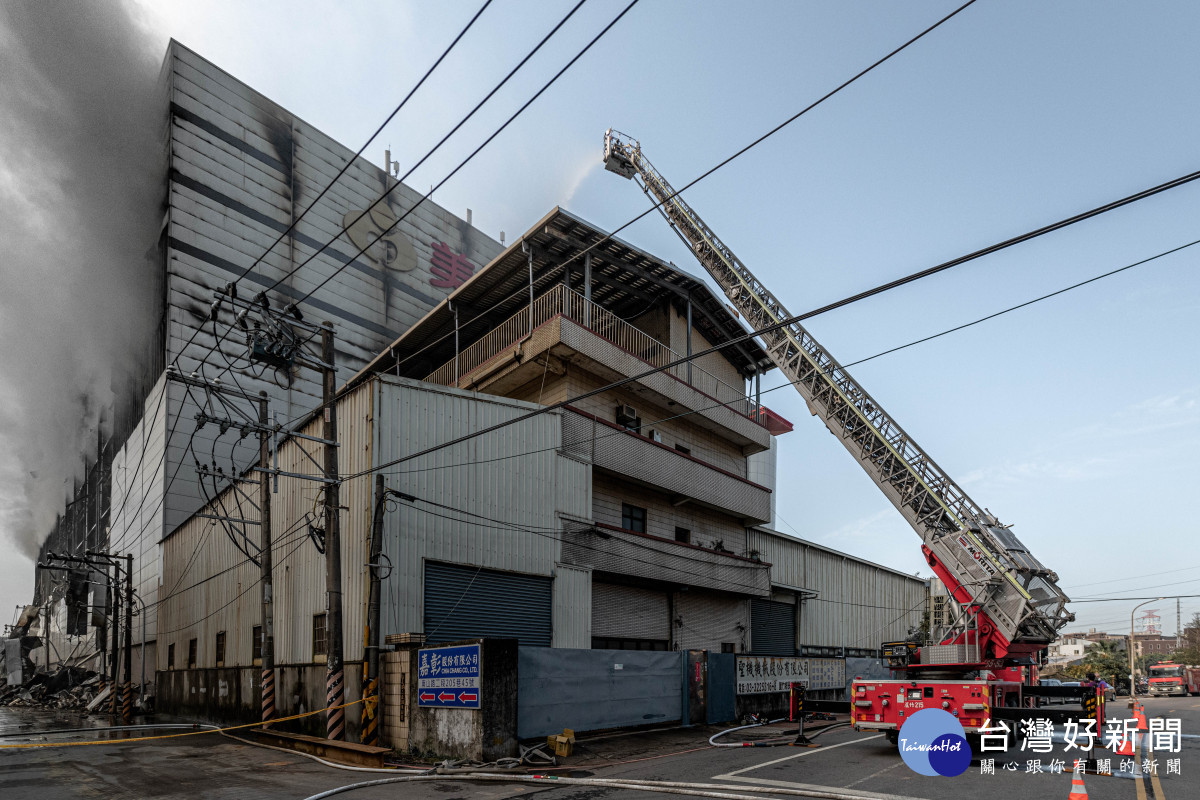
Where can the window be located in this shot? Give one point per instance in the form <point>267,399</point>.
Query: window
<point>687,451</point>
<point>192,654</point>
<point>256,644</point>
<point>683,535</point>
<point>319,643</point>
<point>221,649</point>
<point>170,656</point>
<point>633,518</point>
<point>728,647</point>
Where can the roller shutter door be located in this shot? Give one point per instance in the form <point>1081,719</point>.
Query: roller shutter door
<point>772,628</point>
<point>466,603</point>
<point>710,620</point>
<point>629,612</point>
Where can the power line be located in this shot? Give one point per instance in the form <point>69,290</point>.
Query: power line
<point>477,150</point>
<point>850,364</point>
<point>1028,302</point>
<point>777,128</point>
<point>759,332</point>
<point>730,158</point>
<point>291,227</point>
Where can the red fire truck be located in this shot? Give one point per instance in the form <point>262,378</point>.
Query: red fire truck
<point>1009,607</point>
<point>1167,677</point>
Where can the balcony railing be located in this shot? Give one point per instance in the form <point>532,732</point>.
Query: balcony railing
<point>563,302</point>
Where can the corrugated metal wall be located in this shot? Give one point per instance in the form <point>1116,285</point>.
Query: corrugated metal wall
<point>209,585</point>
<point>858,605</point>
<point>242,169</point>
<point>136,519</point>
<point>572,606</point>
<point>514,489</point>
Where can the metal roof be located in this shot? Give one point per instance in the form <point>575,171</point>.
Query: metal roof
<point>625,280</point>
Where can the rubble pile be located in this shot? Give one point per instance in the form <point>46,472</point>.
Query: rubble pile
<point>69,687</point>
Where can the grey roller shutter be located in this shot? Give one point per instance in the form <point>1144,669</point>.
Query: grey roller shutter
<point>710,620</point>
<point>628,612</point>
<point>465,603</point>
<point>772,628</point>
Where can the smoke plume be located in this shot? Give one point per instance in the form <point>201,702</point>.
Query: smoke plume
<point>81,192</point>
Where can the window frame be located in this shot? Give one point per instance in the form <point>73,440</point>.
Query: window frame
<point>324,638</point>
<point>629,518</point>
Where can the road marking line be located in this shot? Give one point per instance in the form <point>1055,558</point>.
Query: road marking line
<point>1139,780</point>
<point>814,787</point>
<point>729,775</point>
<point>876,774</point>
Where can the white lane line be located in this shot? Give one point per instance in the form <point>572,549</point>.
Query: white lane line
<point>875,774</point>
<point>830,789</point>
<point>729,775</point>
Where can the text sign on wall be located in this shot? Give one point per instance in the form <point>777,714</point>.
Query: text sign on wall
<point>826,673</point>
<point>764,674</point>
<point>448,677</point>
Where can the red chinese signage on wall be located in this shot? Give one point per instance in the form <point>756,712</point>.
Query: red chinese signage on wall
<point>450,269</point>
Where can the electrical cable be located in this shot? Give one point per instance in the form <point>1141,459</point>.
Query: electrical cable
<point>477,150</point>
<point>573,400</point>
<point>422,160</point>
<point>348,163</point>
<point>658,204</point>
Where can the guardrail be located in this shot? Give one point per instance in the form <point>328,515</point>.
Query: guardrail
<point>567,303</point>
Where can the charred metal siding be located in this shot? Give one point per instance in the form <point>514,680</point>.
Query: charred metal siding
<point>136,519</point>
<point>857,604</point>
<point>512,489</point>
<point>241,170</point>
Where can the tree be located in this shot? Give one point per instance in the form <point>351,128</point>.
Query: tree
<point>1106,660</point>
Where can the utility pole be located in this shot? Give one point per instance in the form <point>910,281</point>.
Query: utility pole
<point>127,687</point>
<point>370,709</point>
<point>1178,626</point>
<point>115,589</point>
<point>268,614</point>
<point>335,683</point>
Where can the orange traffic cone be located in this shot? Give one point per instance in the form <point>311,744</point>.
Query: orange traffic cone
<point>1139,711</point>
<point>1125,747</point>
<point>1078,790</point>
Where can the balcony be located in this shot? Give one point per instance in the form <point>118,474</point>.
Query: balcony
<point>571,325</point>
<point>608,549</point>
<point>634,457</point>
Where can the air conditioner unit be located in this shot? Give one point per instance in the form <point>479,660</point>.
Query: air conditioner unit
<point>626,415</point>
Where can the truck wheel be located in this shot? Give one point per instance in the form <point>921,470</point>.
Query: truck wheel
<point>893,737</point>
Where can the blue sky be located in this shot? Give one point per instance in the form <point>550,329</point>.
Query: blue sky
<point>1076,419</point>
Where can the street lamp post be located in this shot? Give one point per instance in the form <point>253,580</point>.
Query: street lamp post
<point>1132,680</point>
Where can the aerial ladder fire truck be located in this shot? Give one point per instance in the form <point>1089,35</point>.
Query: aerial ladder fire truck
<point>1007,605</point>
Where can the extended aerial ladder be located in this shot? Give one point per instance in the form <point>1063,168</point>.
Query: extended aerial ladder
<point>1010,605</point>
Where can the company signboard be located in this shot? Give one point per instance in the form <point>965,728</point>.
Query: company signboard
<point>766,674</point>
<point>448,677</point>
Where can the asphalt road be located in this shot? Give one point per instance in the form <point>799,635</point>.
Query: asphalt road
<point>858,763</point>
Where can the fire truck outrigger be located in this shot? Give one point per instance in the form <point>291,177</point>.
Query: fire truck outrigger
<point>1008,605</point>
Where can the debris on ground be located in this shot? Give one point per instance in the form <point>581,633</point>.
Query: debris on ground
<point>67,688</point>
